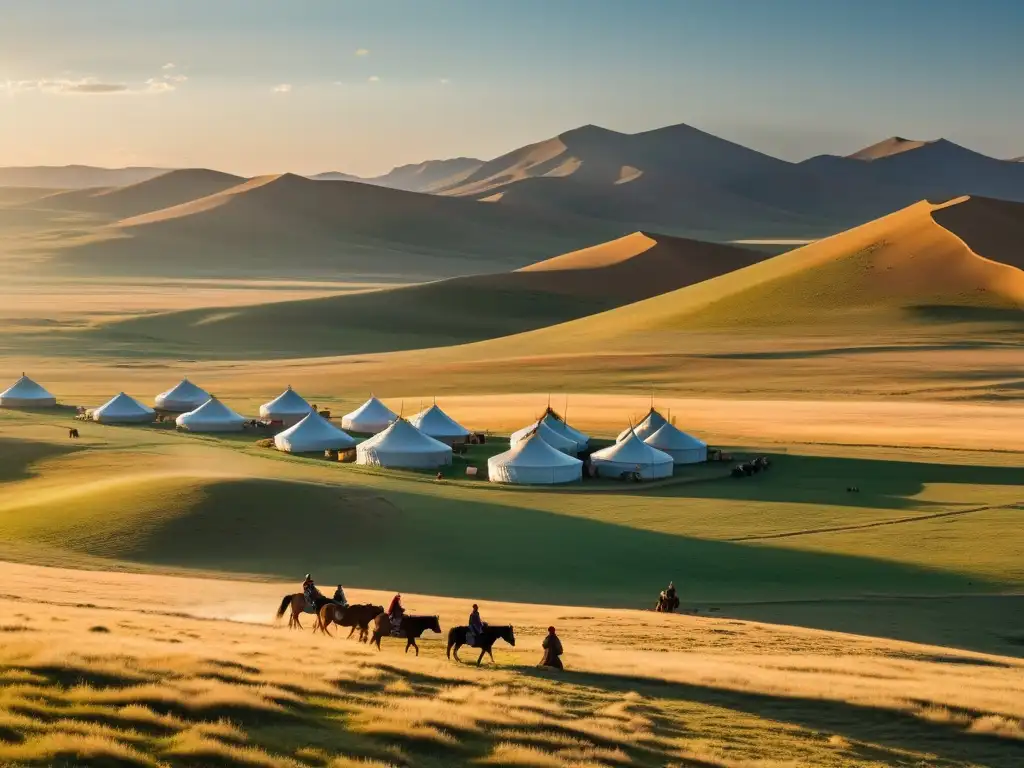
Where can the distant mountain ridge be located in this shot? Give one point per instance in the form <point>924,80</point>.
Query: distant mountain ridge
<point>74,176</point>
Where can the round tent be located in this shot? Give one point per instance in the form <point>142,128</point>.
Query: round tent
<point>123,409</point>
<point>532,461</point>
<point>289,408</point>
<point>369,418</point>
<point>437,424</point>
<point>650,424</point>
<point>313,434</point>
<point>555,439</point>
<point>25,393</point>
<point>683,448</point>
<point>632,455</point>
<point>211,416</point>
<point>560,426</point>
<point>402,445</point>
<point>182,397</point>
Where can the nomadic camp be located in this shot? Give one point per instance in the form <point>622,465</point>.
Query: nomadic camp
<point>555,439</point>
<point>650,424</point>
<point>559,424</point>
<point>181,398</point>
<point>437,424</point>
<point>402,445</point>
<point>683,448</point>
<point>369,418</point>
<point>632,456</point>
<point>532,461</point>
<point>123,409</point>
<point>314,434</point>
<point>25,393</point>
<point>211,416</point>
<point>289,408</point>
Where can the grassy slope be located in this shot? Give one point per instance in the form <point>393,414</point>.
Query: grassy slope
<point>453,311</point>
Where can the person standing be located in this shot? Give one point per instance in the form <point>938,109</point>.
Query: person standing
<point>552,651</point>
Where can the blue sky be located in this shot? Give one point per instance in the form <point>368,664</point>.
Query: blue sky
<point>362,85</point>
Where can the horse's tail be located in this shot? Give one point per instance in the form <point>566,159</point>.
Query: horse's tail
<point>285,602</point>
<point>451,641</point>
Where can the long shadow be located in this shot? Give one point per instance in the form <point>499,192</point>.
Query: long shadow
<point>885,727</point>
<point>20,455</point>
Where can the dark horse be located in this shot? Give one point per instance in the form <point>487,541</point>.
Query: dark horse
<point>411,628</point>
<point>484,640</point>
<point>355,616</point>
<point>667,604</point>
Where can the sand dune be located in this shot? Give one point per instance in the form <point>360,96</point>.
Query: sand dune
<point>446,312</point>
<point>74,176</point>
<point>290,225</point>
<point>887,147</point>
<point>428,176</point>
<point>19,195</point>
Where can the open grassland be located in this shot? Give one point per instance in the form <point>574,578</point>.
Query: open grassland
<point>926,523</point>
<point>105,669</point>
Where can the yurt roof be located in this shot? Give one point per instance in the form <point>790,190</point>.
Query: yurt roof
<point>186,391</point>
<point>436,423</point>
<point>632,450</point>
<point>650,423</point>
<point>288,402</point>
<point>669,437</point>
<point>123,405</point>
<point>372,410</point>
<point>534,451</point>
<point>551,436</point>
<point>313,428</point>
<point>26,389</point>
<point>403,436</point>
<point>559,424</point>
<point>211,411</point>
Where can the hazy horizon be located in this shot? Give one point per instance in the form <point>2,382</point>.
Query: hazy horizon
<point>256,87</point>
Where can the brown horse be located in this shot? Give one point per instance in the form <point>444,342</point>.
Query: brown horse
<point>667,604</point>
<point>299,606</point>
<point>355,616</point>
<point>411,628</point>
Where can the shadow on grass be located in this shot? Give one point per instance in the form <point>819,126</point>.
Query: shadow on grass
<point>884,729</point>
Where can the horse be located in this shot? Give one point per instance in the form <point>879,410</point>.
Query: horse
<point>484,640</point>
<point>410,628</point>
<point>299,606</point>
<point>355,616</point>
<point>666,604</point>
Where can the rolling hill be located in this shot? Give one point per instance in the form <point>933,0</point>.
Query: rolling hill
<point>441,313</point>
<point>74,176</point>
<point>927,264</point>
<point>289,225</point>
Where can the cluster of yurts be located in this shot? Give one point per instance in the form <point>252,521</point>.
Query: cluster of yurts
<point>544,452</point>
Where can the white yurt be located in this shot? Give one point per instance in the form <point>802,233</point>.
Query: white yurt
<point>632,455</point>
<point>25,393</point>
<point>437,424</point>
<point>211,416</point>
<point>369,418</point>
<point>559,424</point>
<point>532,461</point>
<point>683,448</point>
<point>314,434</point>
<point>289,408</point>
<point>123,409</point>
<point>555,439</point>
<point>650,424</point>
<point>181,398</point>
<point>402,445</point>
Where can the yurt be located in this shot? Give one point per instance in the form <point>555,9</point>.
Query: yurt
<point>181,398</point>
<point>211,416</point>
<point>555,439</point>
<point>289,408</point>
<point>560,426</point>
<point>683,448</point>
<point>632,455</point>
<point>437,424</point>
<point>313,434</point>
<point>369,418</point>
<point>25,393</point>
<point>123,409</point>
<point>402,445</point>
<point>532,461</point>
<point>650,424</point>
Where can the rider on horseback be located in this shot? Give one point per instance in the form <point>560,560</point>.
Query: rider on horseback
<point>395,612</point>
<point>339,597</point>
<point>475,627</point>
<point>313,595</point>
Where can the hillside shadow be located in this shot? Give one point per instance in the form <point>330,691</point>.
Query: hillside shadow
<point>886,731</point>
<point>18,456</point>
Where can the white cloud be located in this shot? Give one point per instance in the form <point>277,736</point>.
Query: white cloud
<point>374,79</point>
<point>362,52</point>
<point>169,65</point>
<point>282,88</point>
<point>91,86</point>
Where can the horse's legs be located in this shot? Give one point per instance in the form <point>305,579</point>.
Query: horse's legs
<point>351,631</point>
<point>482,652</point>
<point>491,654</point>
<point>455,652</point>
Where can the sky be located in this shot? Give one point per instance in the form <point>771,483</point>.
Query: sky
<point>265,86</point>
